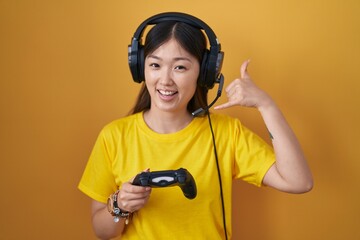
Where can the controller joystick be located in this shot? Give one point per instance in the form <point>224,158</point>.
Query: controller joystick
<point>168,178</point>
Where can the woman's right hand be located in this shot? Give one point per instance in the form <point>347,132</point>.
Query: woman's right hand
<point>131,197</point>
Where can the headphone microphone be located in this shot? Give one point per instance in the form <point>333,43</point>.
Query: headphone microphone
<point>220,81</point>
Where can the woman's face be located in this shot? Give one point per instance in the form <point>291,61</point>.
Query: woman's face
<point>171,75</point>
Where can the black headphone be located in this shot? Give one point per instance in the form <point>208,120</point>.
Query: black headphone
<point>210,70</point>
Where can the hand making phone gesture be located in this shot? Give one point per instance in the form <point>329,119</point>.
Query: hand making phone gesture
<point>243,92</point>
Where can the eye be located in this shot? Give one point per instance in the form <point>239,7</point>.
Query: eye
<point>180,67</point>
<point>154,65</point>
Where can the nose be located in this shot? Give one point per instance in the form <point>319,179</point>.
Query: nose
<point>166,78</point>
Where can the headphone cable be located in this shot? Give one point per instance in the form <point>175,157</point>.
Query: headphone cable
<point>219,173</point>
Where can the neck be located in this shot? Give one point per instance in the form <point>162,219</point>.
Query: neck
<point>166,122</point>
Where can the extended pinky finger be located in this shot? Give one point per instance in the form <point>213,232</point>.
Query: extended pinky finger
<point>223,106</point>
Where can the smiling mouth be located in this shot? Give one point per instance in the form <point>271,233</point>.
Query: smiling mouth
<point>167,93</point>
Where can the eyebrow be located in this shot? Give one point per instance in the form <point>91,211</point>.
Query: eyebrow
<point>176,59</point>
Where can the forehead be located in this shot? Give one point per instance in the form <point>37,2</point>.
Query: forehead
<point>171,49</point>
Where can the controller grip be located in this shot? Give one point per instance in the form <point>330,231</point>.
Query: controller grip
<point>140,180</point>
<point>189,189</point>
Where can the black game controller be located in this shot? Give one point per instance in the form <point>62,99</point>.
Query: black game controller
<point>169,178</point>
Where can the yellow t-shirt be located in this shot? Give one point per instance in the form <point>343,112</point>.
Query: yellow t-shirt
<point>127,146</point>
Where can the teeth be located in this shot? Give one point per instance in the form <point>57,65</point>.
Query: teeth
<point>166,93</point>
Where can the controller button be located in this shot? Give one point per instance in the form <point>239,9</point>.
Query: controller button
<point>162,179</point>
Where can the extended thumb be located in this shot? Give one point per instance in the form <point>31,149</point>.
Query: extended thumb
<point>243,69</point>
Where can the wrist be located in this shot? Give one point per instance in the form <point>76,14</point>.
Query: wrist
<point>266,104</point>
<point>115,210</point>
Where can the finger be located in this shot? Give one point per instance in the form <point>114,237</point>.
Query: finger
<point>139,189</point>
<point>125,197</point>
<point>128,187</point>
<point>223,106</point>
<point>133,205</point>
<point>243,69</point>
<point>232,84</point>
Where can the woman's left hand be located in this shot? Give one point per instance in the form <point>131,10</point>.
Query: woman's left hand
<point>244,92</point>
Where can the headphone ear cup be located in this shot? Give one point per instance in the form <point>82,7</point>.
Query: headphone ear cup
<point>203,70</point>
<point>141,64</point>
<point>213,68</point>
<point>136,61</point>
<point>133,60</point>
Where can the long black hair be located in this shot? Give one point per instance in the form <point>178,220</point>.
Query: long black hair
<point>192,40</point>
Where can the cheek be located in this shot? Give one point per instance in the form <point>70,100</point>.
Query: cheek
<point>193,83</point>
<point>195,78</point>
<point>189,87</point>
<point>147,73</point>
<point>150,76</point>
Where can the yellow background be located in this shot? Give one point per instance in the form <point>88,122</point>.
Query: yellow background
<point>64,75</point>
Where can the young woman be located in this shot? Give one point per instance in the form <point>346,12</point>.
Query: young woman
<point>162,134</point>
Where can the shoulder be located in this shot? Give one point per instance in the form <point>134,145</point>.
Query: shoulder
<point>224,120</point>
<point>121,124</point>
<point>130,119</point>
<point>232,126</point>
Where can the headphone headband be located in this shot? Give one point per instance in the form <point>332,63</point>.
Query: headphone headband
<point>179,17</point>
<point>212,59</point>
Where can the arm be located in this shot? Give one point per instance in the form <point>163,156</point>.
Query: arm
<point>130,198</point>
<point>290,173</point>
<point>103,223</point>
